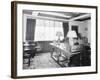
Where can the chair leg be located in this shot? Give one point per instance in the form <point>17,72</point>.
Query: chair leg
<point>29,62</point>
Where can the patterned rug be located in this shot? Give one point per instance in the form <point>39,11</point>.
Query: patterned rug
<point>41,61</point>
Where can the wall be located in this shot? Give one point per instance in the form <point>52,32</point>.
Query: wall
<point>87,29</point>
<point>76,23</point>
<point>84,27</point>
<point>5,41</point>
<point>44,46</point>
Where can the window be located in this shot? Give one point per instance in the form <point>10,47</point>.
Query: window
<point>46,30</point>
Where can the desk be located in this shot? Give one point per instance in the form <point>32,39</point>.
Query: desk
<point>29,51</point>
<point>62,53</point>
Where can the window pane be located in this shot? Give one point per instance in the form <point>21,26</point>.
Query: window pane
<point>46,30</point>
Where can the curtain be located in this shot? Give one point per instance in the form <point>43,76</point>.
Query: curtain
<point>65,28</point>
<point>30,29</point>
<point>46,30</point>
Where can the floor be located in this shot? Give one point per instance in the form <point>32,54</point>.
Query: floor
<point>42,60</point>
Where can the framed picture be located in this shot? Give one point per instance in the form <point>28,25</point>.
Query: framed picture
<point>49,39</point>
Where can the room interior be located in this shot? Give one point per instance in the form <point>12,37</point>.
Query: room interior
<point>56,39</point>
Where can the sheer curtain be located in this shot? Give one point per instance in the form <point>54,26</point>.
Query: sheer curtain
<point>46,30</point>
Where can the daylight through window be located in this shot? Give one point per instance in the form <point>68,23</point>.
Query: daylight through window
<point>46,30</point>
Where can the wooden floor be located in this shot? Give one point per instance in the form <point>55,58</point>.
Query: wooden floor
<point>42,60</point>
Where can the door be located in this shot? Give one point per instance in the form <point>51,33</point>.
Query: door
<point>75,28</point>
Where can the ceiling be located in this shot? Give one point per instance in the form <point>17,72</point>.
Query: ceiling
<point>71,16</point>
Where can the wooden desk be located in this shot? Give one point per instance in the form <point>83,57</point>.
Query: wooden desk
<point>62,53</point>
<point>29,51</point>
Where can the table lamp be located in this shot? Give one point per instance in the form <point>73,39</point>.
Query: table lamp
<point>59,34</point>
<point>71,34</point>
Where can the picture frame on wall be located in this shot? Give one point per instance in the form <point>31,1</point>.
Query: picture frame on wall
<point>51,39</point>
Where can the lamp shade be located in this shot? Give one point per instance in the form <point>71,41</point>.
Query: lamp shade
<point>59,34</point>
<point>72,34</point>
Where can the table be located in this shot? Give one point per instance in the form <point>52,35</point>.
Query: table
<point>62,53</point>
